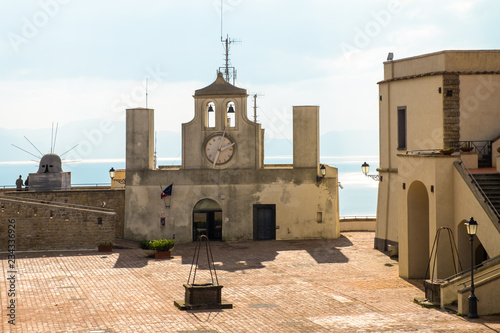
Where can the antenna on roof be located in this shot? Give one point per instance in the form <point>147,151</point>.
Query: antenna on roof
<point>229,71</point>
<point>255,106</point>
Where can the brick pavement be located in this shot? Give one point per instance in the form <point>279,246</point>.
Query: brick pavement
<point>341,285</point>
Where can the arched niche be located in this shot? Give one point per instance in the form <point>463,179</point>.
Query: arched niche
<point>418,230</point>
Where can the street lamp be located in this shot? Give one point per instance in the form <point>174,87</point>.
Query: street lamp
<point>112,173</point>
<point>322,170</point>
<point>365,167</point>
<point>471,231</point>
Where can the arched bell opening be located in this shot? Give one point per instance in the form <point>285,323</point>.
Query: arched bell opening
<point>210,115</point>
<point>231,114</point>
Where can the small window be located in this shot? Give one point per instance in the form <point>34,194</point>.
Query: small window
<point>319,217</point>
<point>402,127</point>
<point>210,115</point>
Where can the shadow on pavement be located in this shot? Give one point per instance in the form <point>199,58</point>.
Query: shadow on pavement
<point>246,255</point>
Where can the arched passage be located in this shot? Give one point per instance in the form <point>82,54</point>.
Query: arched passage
<point>418,230</point>
<point>207,220</point>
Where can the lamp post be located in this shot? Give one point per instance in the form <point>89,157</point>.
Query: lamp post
<point>471,231</point>
<point>112,173</point>
<point>365,168</point>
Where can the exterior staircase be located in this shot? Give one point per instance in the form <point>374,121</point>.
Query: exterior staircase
<point>489,184</point>
<point>484,161</point>
<point>454,291</point>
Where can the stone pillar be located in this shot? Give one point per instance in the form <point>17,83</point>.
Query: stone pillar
<point>306,137</point>
<point>451,109</point>
<point>140,139</point>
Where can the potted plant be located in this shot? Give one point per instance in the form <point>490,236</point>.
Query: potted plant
<point>466,147</point>
<point>447,151</point>
<point>145,245</point>
<point>105,247</point>
<point>160,248</point>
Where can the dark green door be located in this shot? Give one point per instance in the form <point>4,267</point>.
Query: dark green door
<point>264,222</point>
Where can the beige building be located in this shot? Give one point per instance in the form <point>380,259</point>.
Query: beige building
<point>448,99</point>
<point>223,189</point>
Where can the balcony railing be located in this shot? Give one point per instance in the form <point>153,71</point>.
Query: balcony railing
<point>482,148</point>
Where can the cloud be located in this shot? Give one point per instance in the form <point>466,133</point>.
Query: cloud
<point>36,104</point>
<point>464,8</point>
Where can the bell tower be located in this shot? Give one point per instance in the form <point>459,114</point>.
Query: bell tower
<point>221,136</point>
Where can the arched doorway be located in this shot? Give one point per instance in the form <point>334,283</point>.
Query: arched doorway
<point>207,220</point>
<point>418,230</point>
<point>480,254</point>
<point>463,244</point>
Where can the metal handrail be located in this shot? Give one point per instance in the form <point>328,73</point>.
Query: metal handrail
<point>478,276</point>
<point>351,217</point>
<point>483,150</point>
<point>479,187</point>
<point>429,151</point>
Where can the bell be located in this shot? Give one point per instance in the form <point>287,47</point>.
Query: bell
<point>210,108</point>
<point>231,109</point>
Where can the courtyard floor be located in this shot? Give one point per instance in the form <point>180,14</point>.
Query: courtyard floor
<point>341,285</point>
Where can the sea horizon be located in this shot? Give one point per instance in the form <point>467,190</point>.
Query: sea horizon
<point>357,196</point>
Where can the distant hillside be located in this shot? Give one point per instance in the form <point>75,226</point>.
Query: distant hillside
<point>97,140</point>
<point>335,143</point>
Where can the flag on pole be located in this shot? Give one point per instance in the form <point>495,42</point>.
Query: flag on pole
<point>167,192</point>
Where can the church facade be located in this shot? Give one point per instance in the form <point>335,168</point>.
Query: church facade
<point>223,189</point>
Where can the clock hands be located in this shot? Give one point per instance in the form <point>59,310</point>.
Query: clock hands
<point>229,145</point>
<point>219,150</point>
<point>216,157</point>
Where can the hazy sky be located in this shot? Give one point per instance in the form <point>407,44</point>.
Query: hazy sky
<point>70,60</point>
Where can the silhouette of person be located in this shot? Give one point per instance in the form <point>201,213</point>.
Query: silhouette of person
<point>19,183</point>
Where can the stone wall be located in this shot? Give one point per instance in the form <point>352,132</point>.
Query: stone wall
<point>451,109</point>
<point>36,225</point>
<point>93,197</point>
<point>305,207</point>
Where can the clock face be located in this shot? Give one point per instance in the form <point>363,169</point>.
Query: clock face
<point>219,149</point>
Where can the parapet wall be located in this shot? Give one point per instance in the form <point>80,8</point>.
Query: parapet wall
<point>114,199</point>
<point>34,225</point>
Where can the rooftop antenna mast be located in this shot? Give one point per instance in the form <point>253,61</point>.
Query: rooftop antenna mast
<point>229,71</point>
<point>255,106</point>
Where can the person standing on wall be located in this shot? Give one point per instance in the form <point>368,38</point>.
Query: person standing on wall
<point>19,183</point>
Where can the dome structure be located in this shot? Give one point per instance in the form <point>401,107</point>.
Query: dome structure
<point>50,163</point>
